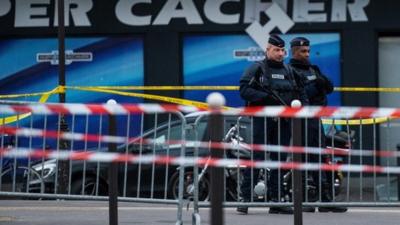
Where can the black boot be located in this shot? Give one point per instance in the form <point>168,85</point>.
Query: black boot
<point>308,209</point>
<point>335,209</point>
<point>326,197</point>
<point>280,210</point>
<point>243,209</point>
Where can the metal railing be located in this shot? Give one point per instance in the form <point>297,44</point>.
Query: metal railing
<point>90,180</point>
<point>354,167</point>
<point>350,146</point>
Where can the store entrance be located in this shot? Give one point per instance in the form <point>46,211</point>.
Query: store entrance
<point>389,76</point>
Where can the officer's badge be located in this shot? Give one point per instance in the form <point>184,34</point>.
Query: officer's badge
<point>278,76</point>
<point>313,77</point>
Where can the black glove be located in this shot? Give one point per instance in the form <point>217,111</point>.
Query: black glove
<point>320,83</point>
<point>270,100</point>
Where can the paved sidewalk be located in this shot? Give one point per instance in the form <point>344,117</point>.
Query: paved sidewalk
<point>18,212</point>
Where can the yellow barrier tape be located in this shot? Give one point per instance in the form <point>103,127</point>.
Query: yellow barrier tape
<point>164,88</point>
<point>58,90</point>
<point>44,98</point>
<point>113,90</point>
<point>204,105</point>
<point>225,88</point>
<point>357,122</point>
<point>366,89</point>
<point>148,96</point>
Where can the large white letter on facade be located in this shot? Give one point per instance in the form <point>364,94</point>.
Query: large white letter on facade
<point>253,9</point>
<point>123,11</point>
<point>78,14</point>
<point>356,10</point>
<point>212,10</point>
<point>170,11</point>
<point>302,8</point>
<point>24,12</point>
<point>5,7</point>
<point>277,18</point>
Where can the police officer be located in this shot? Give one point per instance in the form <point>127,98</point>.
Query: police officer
<point>270,82</point>
<point>317,87</point>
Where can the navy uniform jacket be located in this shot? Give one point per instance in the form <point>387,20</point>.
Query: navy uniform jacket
<point>269,83</point>
<point>317,85</point>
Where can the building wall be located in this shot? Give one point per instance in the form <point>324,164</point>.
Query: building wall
<point>163,36</point>
<point>360,23</point>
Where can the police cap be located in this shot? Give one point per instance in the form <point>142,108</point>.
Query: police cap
<point>299,41</point>
<point>276,41</point>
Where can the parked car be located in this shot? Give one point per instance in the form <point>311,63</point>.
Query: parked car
<point>141,180</point>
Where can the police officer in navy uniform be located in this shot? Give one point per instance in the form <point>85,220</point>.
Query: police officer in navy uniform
<point>317,87</point>
<point>270,83</point>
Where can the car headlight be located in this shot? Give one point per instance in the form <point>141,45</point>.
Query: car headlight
<point>46,169</point>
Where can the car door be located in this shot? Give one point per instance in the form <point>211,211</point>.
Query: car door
<point>146,180</point>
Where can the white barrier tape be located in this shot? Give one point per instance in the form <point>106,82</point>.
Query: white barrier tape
<point>298,149</point>
<point>31,132</point>
<point>188,161</point>
<point>95,109</point>
<point>269,111</point>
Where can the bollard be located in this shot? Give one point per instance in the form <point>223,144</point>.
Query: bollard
<point>215,126</point>
<point>112,172</point>
<point>297,177</point>
<point>398,175</point>
<point>63,166</point>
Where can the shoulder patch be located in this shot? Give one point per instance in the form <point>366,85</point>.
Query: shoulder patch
<point>312,77</point>
<point>278,76</point>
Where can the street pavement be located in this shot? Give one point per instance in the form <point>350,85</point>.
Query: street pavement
<point>50,212</point>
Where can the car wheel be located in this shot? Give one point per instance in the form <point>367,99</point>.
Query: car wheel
<point>188,186</point>
<point>89,187</point>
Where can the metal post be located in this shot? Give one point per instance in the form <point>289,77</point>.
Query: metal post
<point>215,126</point>
<point>61,48</point>
<point>298,182</point>
<point>112,173</point>
<point>63,168</point>
<point>398,175</point>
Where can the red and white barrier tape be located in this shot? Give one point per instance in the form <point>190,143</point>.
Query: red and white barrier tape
<point>95,109</point>
<point>31,132</point>
<point>316,111</point>
<point>72,136</point>
<point>188,161</point>
<point>269,111</point>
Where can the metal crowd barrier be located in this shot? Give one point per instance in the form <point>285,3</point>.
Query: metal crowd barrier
<point>87,132</point>
<point>363,150</point>
<point>171,163</point>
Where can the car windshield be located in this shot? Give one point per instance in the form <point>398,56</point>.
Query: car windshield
<point>165,133</point>
<point>174,132</point>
